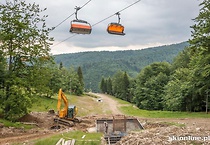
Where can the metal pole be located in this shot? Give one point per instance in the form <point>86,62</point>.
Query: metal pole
<point>207,101</point>
<point>70,86</point>
<point>113,124</point>
<point>125,120</point>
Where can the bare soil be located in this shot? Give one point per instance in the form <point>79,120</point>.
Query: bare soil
<point>157,131</point>
<point>42,121</point>
<point>187,131</point>
<point>111,104</point>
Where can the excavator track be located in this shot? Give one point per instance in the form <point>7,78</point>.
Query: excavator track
<point>64,122</point>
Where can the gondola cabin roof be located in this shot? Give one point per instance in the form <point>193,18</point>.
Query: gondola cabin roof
<point>115,28</point>
<point>80,27</point>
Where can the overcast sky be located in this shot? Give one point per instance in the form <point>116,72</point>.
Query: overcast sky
<point>147,23</point>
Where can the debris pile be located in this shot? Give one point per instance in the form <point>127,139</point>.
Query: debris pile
<point>163,134</point>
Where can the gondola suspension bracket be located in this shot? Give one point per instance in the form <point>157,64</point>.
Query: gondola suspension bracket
<point>116,28</point>
<point>80,26</point>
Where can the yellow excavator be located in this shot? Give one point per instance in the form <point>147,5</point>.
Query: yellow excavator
<point>66,115</point>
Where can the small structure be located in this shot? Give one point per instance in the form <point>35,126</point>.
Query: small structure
<point>116,127</point>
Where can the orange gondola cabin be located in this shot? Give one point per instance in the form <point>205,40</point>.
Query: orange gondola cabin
<point>116,28</point>
<point>80,27</point>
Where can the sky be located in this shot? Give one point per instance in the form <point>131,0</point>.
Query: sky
<point>147,23</point>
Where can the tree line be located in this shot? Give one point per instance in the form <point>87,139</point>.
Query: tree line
<point>182,85</point>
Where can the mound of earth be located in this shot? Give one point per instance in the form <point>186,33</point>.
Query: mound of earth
<point>41,119</point>
<point>160,133</point>
<point>30,119</point>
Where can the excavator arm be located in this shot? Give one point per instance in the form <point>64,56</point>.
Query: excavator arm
<point>62,112</point>
<point>66,115</point>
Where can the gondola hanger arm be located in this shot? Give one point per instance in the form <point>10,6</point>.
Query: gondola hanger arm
<point>77,9</point>
<point>118,14</point>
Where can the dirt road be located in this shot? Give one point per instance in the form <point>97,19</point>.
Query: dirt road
<point>109,103</point>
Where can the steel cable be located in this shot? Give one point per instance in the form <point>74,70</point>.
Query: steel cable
<point>99,22</point>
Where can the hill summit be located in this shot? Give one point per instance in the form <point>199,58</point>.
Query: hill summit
<point>96,65</point>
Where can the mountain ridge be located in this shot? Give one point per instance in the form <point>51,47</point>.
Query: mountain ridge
<point>98,64</point>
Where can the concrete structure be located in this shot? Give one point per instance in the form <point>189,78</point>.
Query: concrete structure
<point>116,127</point>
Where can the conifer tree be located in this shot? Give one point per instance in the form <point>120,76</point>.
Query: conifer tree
<point>80,75</point>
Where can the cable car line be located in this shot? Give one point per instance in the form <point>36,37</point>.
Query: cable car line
<point>69,16</point>
<point>63,40</point>
<point>85,4</point>
<point>116,13</point>
<point>129,6</point>
<point>99,21</point>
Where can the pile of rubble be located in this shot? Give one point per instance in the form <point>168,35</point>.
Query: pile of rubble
<point>167,134</point>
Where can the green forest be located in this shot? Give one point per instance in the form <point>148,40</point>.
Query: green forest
<point>174,77</point>
<point>96,65</point>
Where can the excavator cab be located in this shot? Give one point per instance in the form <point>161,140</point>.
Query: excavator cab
<point>116,28</point>
<point>72,111</point>
<point>80,26</point>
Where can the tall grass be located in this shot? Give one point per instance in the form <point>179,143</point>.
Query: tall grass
<point>15,124</point>
<point>42,104</point>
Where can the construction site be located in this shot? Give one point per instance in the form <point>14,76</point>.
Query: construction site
<point>117,128</point>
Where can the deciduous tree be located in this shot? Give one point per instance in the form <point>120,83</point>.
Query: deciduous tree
<point>150,86</point>
<point>24,42</point>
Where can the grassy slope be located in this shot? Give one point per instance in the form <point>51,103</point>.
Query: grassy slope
<point>86,105</point>
<point>132,110</point>
<point>89,106</point>
<point>15,124</point>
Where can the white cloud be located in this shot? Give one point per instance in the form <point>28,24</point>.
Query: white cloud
<point>147,23</point>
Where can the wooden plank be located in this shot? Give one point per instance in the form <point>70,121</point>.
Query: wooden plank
<point>73,142</point>
<point>60,141</point>
<point>63,141</point>
<point>29,123</point>
<point>109,140</point>
<point>68,142</point>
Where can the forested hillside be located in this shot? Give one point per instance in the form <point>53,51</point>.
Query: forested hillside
<point>96,65</point>
<point>180,86</point>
